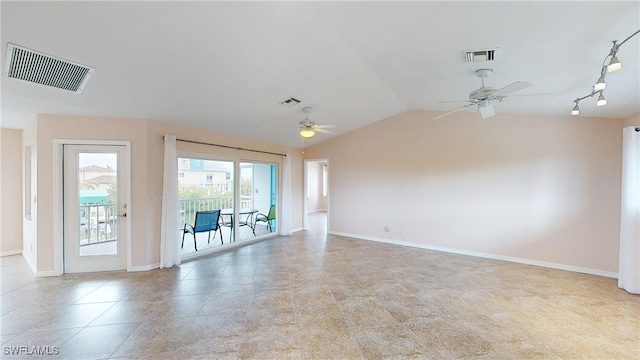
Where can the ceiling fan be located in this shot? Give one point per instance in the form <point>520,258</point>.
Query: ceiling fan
<point>308,128</point>
<point>485,96</point>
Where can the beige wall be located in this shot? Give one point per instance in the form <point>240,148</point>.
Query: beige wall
<point>11,191</point>
<point>146,178</point>
<point>549,186</point>
<point>633,120</point>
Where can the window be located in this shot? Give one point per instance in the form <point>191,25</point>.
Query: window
<point>209,178</point>
<point>181,175</point>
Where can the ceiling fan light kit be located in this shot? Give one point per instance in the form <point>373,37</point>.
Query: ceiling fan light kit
<point>600,85</point>
<point>308,128</point>
<point>307,133</point>
<point>485,109</point>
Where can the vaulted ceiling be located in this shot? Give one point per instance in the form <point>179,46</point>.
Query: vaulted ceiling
<point>227,66</point>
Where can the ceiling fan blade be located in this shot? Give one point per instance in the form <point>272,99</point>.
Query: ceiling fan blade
<point>452,111</point>
<point>516,86</point>
<point>327,126</point>
<point>454,101</point>
<point>531,95</point>
<point>324,131</point>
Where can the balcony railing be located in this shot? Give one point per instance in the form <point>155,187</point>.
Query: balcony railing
<point>189,207</point>
<point>98,223</point>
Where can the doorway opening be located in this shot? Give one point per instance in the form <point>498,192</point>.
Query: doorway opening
<point>316,199</point>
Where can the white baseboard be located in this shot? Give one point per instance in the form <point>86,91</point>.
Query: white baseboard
<point>29,264</point>
<point>47,273</point>
<point>297,229</point>
<point>317,210</point>
<point>144,267</point>
<point>518,260</point>
<point>11,252</point>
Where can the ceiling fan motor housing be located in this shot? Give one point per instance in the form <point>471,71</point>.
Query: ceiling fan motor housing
<point>481,93</point>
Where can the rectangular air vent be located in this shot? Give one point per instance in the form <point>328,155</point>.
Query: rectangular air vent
<point>290,102</point>
<point>481,55</point>
<point>29,65</point>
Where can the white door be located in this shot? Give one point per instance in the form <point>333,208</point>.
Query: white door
<point>95,182</point>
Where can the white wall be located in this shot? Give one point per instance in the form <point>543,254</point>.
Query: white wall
<point>548,186</point>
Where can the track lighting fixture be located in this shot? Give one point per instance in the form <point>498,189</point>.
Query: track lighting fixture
<point>600,85</point>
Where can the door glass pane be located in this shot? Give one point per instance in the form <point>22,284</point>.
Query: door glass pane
<point>98,204</point>
<point>257,197</point>
<point>205,185</point>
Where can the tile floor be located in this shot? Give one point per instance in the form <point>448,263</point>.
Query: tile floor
<point>313,296</point>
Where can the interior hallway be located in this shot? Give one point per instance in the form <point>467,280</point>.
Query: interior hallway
<point>313,296</point>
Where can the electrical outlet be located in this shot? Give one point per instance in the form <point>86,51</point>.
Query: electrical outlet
<point>505,243</point>
<point>404,231</point>
<point>387,229</point>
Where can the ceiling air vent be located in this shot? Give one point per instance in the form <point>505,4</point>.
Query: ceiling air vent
<point>482,55</point>
<point>290,102</point>
<point>29,65</point>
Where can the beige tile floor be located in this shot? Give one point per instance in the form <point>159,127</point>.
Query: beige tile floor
<point>313,296</point>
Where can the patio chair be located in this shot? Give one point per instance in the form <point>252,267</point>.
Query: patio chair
<point>206,221</point>
<point>265,218</point>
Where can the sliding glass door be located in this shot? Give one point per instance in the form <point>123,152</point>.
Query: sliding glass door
<point>247,203</point>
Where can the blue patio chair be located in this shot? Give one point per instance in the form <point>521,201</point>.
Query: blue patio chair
<point>206,221</point>
<point>265,218</point>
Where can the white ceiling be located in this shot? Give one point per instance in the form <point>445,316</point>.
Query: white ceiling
<point>226,66</point>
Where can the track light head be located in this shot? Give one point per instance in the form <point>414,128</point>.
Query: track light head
<point>600,84</point>
<point>614,64</point>
<point>576,110</point>
<point>601,100</point>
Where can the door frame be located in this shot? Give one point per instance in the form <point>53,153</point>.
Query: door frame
<point>58,197</point>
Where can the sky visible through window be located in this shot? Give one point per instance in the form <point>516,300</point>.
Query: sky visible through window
<point>106,160</point>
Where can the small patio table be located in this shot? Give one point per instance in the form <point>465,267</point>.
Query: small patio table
<point>248,220</point>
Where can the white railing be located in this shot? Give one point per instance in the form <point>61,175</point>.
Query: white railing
<point>98,223</point>
<point>189,207</point>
